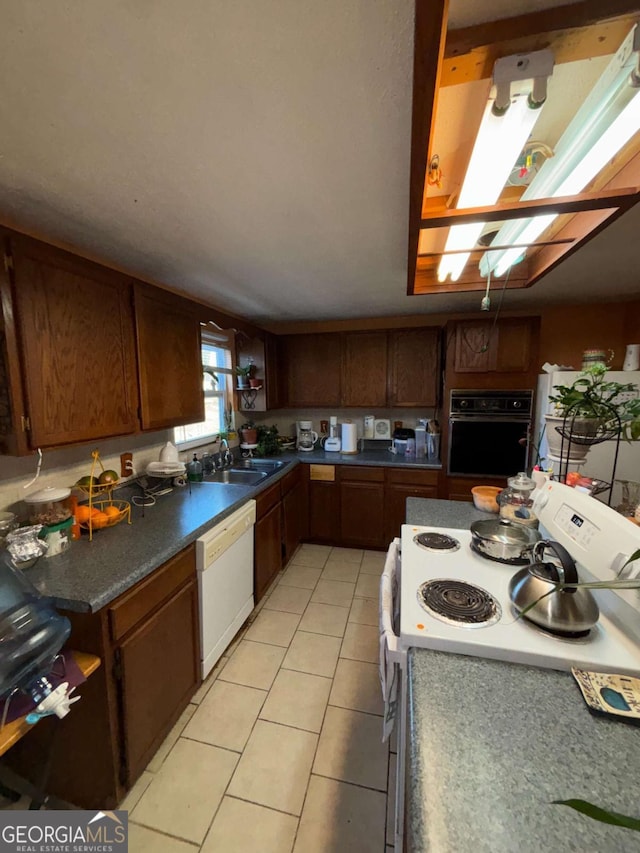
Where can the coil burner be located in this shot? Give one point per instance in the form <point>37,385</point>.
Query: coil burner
<point>459,603</point>
<point>439,542</point>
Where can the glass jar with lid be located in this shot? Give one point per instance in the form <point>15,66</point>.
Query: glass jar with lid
<point>48,506</point>
<point>516,501</point>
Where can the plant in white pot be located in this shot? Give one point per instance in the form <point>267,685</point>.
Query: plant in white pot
<point>590,410</point>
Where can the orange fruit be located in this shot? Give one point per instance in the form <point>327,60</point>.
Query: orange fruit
<point>112,511</point>
<point>94,511</point>
<point>83,513</point>
<point>100,519</point>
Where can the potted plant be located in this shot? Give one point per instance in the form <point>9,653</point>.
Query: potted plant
<point>590,409</point>
<point>249,433</point>
<point>243,374</point>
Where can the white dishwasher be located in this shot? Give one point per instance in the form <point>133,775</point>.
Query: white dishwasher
<point>224,559</point>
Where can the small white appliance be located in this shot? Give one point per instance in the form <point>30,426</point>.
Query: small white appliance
<point>382,428</point>
<point>224,560</point>
<point>437,567</point>
<point>632,358</point>
<point>349,437</point>
<point>368,423</point>
<point>332,443</point>
<point>306,436</point>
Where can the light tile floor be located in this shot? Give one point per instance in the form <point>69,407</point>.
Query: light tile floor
<point>280,749</point>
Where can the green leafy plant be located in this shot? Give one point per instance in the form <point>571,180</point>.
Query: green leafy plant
<point>244,371</point>
<point>268,444</point>
<point>603,815</point>
<point>593,396</point>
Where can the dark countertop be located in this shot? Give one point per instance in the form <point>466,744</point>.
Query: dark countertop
<point>366,457</point>
<point>91,574</point>
<point>491,744</point>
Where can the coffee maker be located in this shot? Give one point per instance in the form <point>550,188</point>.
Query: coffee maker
<point>306,437</point>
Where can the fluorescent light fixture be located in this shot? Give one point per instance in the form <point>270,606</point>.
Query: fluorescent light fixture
<point>607,120</point>
<point>505,128</point>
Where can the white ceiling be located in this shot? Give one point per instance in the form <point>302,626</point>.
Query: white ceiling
<point>253,153</point>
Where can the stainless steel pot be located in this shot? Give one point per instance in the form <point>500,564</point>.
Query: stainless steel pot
<point>567,611</point>
<point>503,540</point>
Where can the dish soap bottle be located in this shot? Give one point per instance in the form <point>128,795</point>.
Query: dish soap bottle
<point>194,470</point>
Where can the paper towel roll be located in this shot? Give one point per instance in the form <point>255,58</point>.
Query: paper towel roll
<point>349,437</point>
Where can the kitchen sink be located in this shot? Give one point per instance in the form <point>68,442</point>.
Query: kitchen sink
<point>236,477</point>
<point>270,465</point>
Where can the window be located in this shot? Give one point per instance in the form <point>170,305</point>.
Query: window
<point>217,374</point>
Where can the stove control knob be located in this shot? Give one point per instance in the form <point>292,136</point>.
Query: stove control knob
<point>541,501</point>
<point>517,404</point>
<point>464,404</point>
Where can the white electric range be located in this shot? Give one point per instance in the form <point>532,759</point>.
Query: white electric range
<point>600,541</point>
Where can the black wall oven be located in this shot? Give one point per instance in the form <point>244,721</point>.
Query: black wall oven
<point>489,432</point>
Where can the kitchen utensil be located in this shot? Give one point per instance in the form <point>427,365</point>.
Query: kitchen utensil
<point>169,453</point>
<point>632,357</point>
<point>8,522</point>
<point>566,611</point>
<point>165,469</point>
<point>369,421</point>
<point>433,446</point>
<point>516,504</point>
<point>349,437</point>
<point>502,540</point>
<point>48,506</point>
<point>307,437</point>
<point>484,498</point>
<point>630,497</point>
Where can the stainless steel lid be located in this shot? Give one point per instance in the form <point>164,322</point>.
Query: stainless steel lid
<point>504,531</point>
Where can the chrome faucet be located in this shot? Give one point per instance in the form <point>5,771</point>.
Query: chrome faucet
<point>227,457</point>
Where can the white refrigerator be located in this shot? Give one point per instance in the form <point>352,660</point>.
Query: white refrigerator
<point>599,461</point>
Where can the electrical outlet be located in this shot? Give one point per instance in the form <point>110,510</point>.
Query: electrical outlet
<point>126,464</point>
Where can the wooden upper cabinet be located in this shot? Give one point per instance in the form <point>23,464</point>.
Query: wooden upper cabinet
<point>169,359</point>
<point>364,369</point>
<point>313,365</point>
<point>414,367</point>
<point>275,391</point>
<point>475,350</point>
<point>69,333</point>
<point>507,346</point>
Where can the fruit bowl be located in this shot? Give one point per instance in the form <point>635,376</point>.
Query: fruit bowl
<point>103,514</point>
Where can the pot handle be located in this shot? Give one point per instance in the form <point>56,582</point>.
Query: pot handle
<point>569,572</point>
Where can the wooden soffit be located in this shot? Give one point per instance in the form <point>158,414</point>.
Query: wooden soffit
<point>445,58</point>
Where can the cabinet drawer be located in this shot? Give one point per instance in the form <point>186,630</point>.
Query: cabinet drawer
<point>290,480</point>
<point>405,476</point>
<point>267,500</point>
<point>151,592</point>
<point>361,474</point>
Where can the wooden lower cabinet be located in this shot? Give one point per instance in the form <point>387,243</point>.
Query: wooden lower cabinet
<point>402,484</point>
<point>361,506</point>
<point>157,673</point>
<point>148,644</point>
<point>268,550</point>
<point>294,526</point>
<point>324,512</point>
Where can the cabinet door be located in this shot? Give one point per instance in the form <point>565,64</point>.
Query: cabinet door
<point>475,347</point>
<point>76,329</point>
<point>364,369</point>
<point>395,510</point>
<point>292,509</point>
<point>414,367</point>
<point>275,396</point>
<point>362,514</point>
<point>169,359</point>
<point>513,352</point>
<point>159,671</point>
<point>268,550</point>
<point>324,512</point>
<point>313,367</point>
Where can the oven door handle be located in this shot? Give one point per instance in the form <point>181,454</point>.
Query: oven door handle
<point>389,608</point>
<point>488,419</point>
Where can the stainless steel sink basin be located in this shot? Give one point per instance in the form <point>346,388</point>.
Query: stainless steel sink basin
<point>236,477</point>
<point>269,465</point>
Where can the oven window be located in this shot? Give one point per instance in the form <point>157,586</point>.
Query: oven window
<point>489,448</point>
